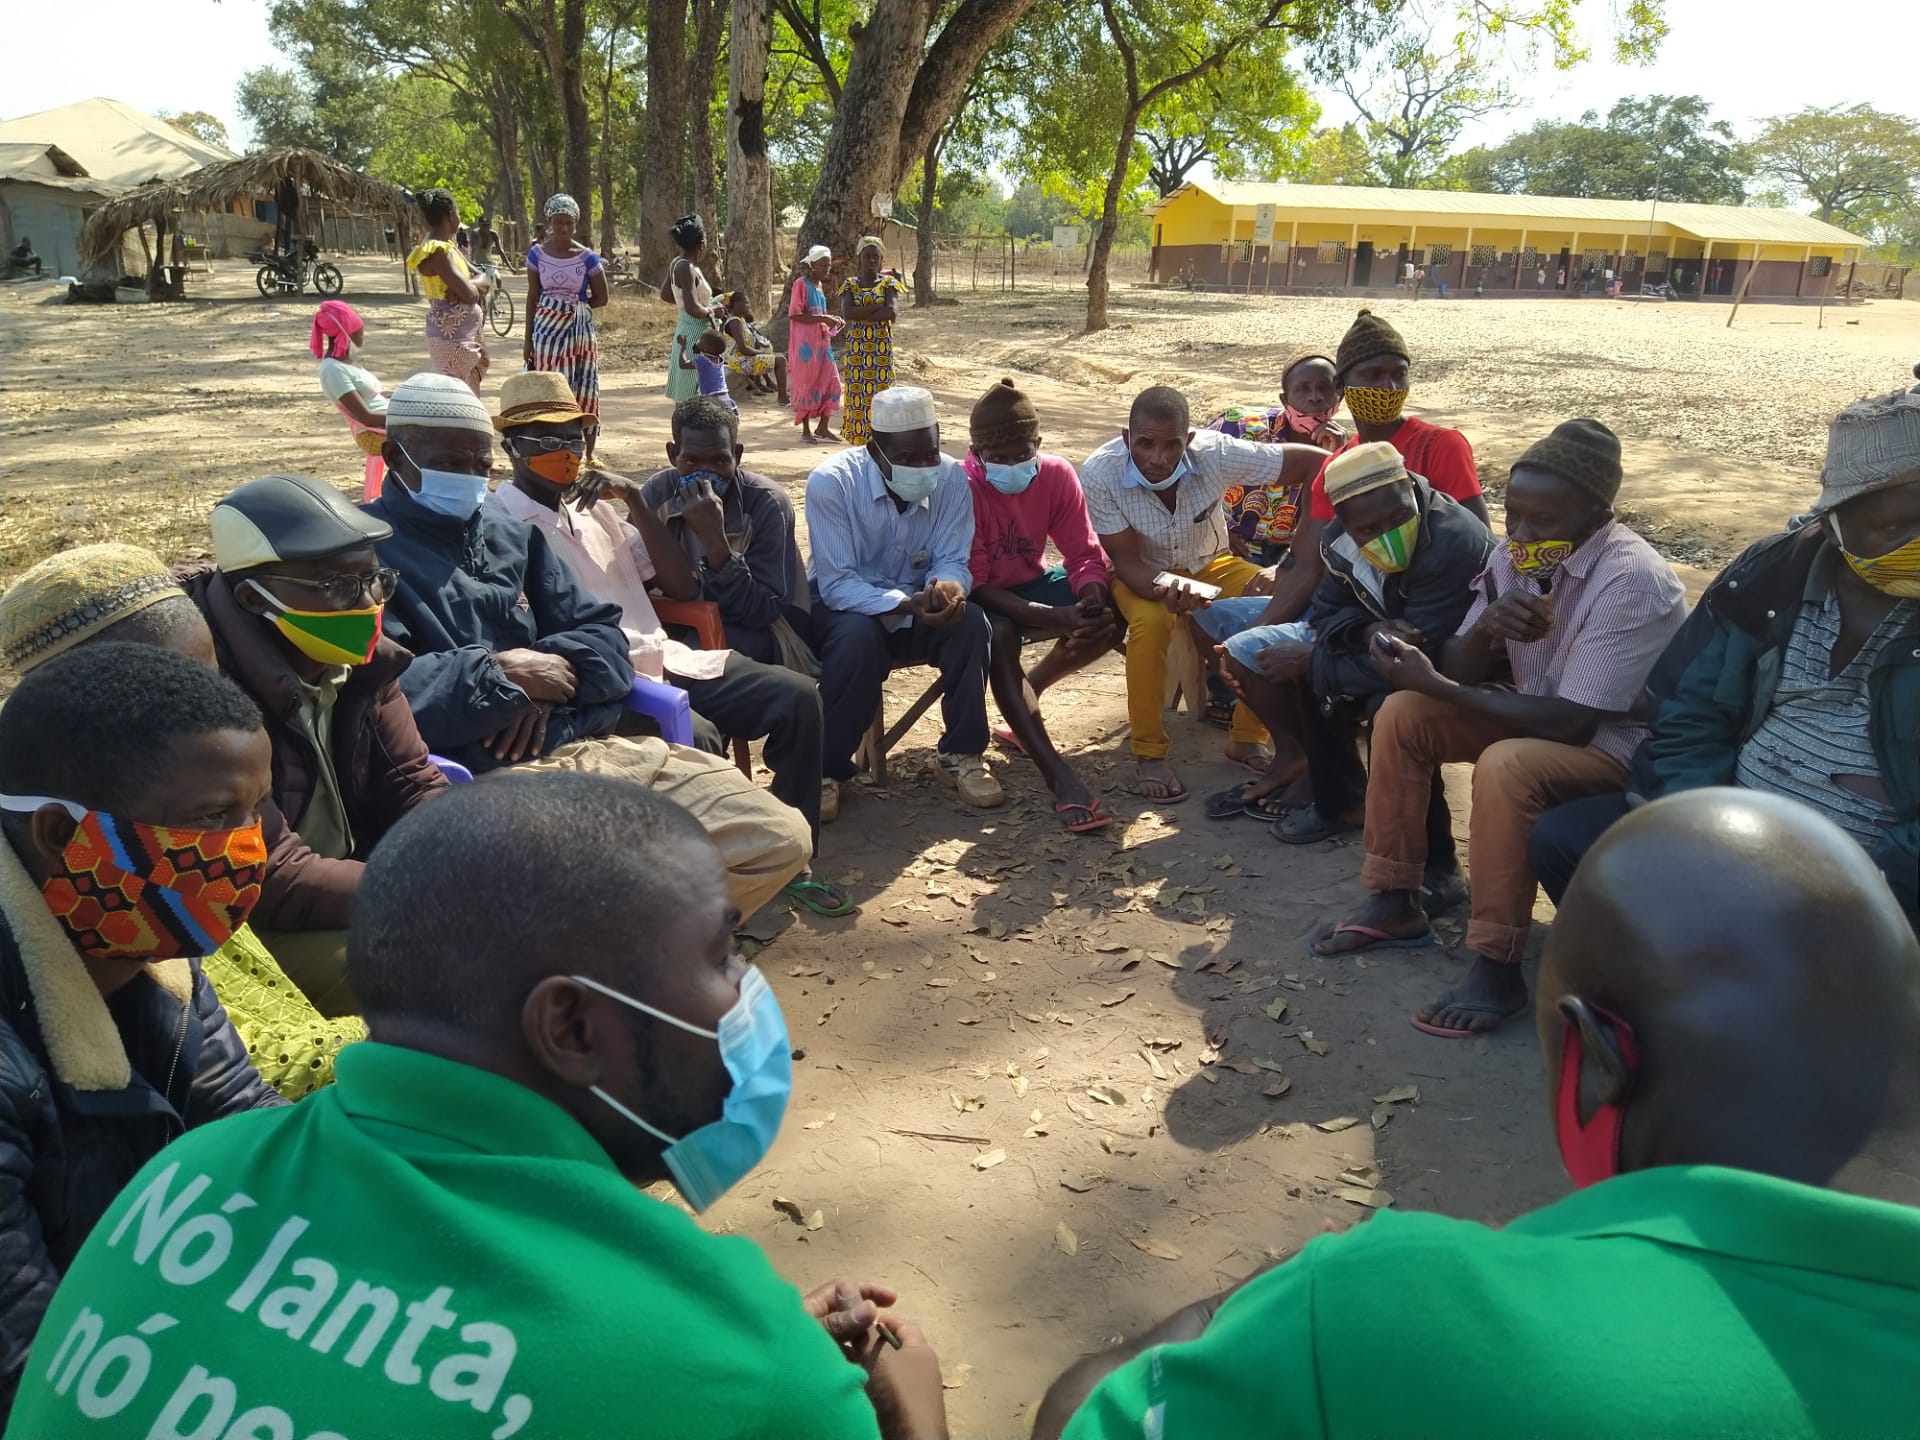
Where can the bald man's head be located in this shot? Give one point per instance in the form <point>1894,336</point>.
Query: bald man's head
<point>1741,987</point>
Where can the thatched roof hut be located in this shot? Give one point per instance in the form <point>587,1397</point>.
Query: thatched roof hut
<point>217,186</point>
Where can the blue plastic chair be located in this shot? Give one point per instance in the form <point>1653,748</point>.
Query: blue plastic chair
<point>666,705</point>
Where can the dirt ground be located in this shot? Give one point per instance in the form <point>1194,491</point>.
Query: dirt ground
<point>1038,1091</point>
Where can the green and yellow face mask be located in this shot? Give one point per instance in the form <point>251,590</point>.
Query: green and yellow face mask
<point>332,637</point>
<point>1393,550</point>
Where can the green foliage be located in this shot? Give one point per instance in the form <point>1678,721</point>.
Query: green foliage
<point>1418,99</point>
<point>331,103</point>
<point>1664,141</point>
<point>427,141</point>
<point>199,124</point>
<point>1857,164</point>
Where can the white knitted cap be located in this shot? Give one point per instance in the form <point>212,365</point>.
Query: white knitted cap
<point>437,402</point>
<point>903,407</point>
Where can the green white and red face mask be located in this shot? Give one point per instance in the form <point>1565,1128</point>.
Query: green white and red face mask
<point>332,637</point>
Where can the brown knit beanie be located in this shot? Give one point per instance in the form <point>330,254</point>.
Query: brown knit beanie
<point>1368,336</point>
<point>1581,452</point>
<point>1002,415</point>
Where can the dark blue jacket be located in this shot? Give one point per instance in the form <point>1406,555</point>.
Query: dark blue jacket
<point>1714,685</point>
<point>470,589</point>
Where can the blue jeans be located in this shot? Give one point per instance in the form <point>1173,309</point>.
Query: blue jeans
<point>1247,645</point>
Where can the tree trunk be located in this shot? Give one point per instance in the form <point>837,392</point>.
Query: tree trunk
<point>663,178</point>
<point>573,101</point>
<point>749,176</point>
<point>1109,224</point>
<point>709,29</point>
<point>539,171</point>
<point>923,241</point>
<point>506,139</point>
<point>862,159</point>
<point>607,237</point>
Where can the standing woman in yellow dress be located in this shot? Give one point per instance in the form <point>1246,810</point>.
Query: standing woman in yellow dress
<point>866,346</point>
<point>456,293</point>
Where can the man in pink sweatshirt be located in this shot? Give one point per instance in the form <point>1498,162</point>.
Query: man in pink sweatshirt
<point>1021,500</point>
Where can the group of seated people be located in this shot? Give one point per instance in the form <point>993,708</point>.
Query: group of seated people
<point>377,771</point>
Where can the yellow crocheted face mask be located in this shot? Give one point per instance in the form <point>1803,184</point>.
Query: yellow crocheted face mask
<point>1375,407</point>
<point>1896,573</point>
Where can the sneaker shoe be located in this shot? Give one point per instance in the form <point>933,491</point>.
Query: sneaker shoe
<point>968,775</point>
<point>829,801</point>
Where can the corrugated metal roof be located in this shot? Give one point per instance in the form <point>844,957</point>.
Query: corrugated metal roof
<point>1708,222</point>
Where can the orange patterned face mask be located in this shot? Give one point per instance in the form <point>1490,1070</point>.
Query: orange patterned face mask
<point>128,891</point>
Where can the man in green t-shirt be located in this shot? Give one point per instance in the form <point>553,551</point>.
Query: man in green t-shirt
<point>450,1241</point>
<point>1729,998</point>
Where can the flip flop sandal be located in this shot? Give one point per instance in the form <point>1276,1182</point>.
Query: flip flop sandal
<point>1437,900</point>
<point>822,897</point>
<point>1097,818</point>
<point>1271,808</point>
<point>1256,767</point>
<point>1220,716</point>
<point>1230,803</point>
<point>1307,826</point>
<point>1004,737</point>
<point>1179,794</point>
<point>1377,939</point>
<point>1447,1032</point>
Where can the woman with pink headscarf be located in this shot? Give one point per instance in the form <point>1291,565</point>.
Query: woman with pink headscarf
<point>337,337</point>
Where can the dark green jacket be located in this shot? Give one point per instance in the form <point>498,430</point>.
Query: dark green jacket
<point>1715,683</point>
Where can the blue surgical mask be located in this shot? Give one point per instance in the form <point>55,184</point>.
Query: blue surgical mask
<point>1011,479</point>
<point>914,483</point>
<point>1133,474</point>
<point>449,492</point>
<point>758,1055</point>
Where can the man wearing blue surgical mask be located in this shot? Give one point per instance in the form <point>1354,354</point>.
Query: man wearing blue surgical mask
<point>1154,493</point>
<point>548,1036</point>
<point>891,526</point>
<point>515,663</point>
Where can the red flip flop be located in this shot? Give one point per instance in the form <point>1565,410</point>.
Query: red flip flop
<point>1003,736</point>
<point>1377,939</point>
<point>1447,1032</point>
<point>1097,819</point>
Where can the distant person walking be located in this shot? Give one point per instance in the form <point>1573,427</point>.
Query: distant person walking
<point>868,304</point>
<point>566,283</point>
<point>336,340</point>
<point>688,289</point>
<point>812,377</point>
<point>456,293</point>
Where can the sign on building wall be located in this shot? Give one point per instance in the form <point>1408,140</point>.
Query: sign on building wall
<point>1263,216</point>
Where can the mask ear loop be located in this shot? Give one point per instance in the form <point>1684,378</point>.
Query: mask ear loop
<point>29,804</point>
<point>1604,1129</point>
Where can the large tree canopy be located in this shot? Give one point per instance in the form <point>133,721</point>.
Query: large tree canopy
<point>1857,164</point>
<point>1660,145</point>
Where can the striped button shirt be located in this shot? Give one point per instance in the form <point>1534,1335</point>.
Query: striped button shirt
<point>1818,725</point>
<point>1194,531</point>
<point>1616,603</point>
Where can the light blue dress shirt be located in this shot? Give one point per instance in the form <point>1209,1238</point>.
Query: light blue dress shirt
<point>868,554</point>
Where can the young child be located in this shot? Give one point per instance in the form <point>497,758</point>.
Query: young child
<point>752,356</point>
<point>708,350</point>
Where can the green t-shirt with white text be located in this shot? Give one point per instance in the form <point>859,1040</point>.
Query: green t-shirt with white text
<point>423,1250</point>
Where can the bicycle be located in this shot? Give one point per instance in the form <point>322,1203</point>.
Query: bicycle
<point>501,311</point>
<point>290,274</point>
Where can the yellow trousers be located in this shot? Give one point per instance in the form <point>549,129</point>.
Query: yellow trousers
<point>1149,632</point>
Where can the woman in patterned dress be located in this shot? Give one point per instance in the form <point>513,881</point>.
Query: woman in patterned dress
<point>687,290</point>
<point>456,294</point>
<point>812,377</point>
<point>867,305</point>
<point>566,283</point>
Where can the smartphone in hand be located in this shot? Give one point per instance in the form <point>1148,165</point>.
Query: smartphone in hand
<point>1187,583</point>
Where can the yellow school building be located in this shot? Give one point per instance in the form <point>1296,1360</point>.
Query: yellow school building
<point>1276,238</point>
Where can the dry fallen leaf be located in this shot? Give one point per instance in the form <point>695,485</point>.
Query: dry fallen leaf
<point>987,1161</point>
<point>1107,1094</point>
<point>1278,1088</point>
<point>816,1220</point>
<point>1381,1115</point>
<point>1397,1094</point>
<point>1367,1177</point>
<point>1120,999</point>
<point>1274,1009</point>
<point>955,1377</point>
<point>1317,1047</point>
<point>1079,1184</point>
<point>964,1103</point>
<point>801,972</point>
<point>1160,957</point>
<point>790,1209</point>
<point>816,1124</point>
<point>939,982</point>
<point>1356,1195</point>
<point>1157,1248</point>
<point>1064,1240</point>
<point>1153,1064</point>
<point>1293,1130</point>
<point>1020,1083</point>
<point>1337,1124</point>
<point>1108,1144</point>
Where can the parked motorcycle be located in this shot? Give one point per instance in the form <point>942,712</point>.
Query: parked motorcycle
<point>289,274</point>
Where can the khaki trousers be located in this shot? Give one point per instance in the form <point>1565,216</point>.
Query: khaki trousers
<point>1149,633</point>
<point>1516,779</point>
<point>763,842</point>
